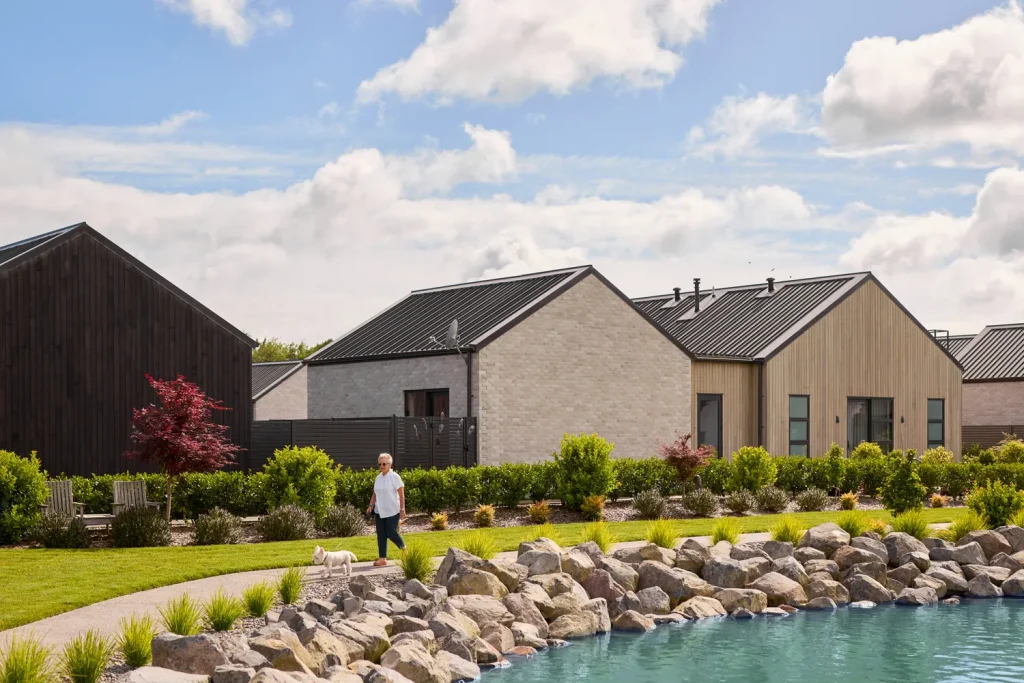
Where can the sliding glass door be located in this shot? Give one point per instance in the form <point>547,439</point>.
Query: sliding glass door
<point>869,419</point>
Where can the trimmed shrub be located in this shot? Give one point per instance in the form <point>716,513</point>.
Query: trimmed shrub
<point>937,456</point>
<point>787,530</point>
<point>182,616</point>
<point>911,522</point>
<point>1011,452</point>
<point>634,477</point>
<point>740,501</point>
<point>301,476</point>
<point>793,473</point>
<point>650,504</point>
<point>135,640</point>
<point>963,525</point>
<point>218,527</point>
<point>828,472</point>
<point>354,487</point>
<point>287,523</point>
<point>867,451</point>
<point>812,500</point>
<point>484,515</point>
<point>461,487</point>
<point>848,501</point>
<point>932,475</point>
<point>716,475</point>
<point>701,503</point>
<point>343,521</point>
<point>662,534</point>
<point>584,469</point>
<point>58,531</point>
<point>540,512</point>
<point>592,508</point>
<point>545,481</point>
<point>771,500</point>
<point>960,478</point>
<point>873,473</point>
<point>439,522</point>
<point>753,469</point>
<point>140,527</point>
<point>289,584</point>
<point>506,485</point>
<point>903,489</point>
<point>22,491</point>
<point>599,533</point>
<point>725,529</point>
<point>996,502</point>
<point>425,490</point>
<point>416,561</point>
<point>258,598</point>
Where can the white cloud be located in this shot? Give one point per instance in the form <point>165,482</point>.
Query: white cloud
<point>172,124</point>
<point>508,51</point>
<point>236,19</point>
<point>963,85</point>
<point>321,85</point>
<point>402,4</point>
<point>739,123</point>
<point>329,110</point>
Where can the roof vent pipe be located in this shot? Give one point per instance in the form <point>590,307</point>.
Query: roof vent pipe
<point>677,290</point>
<point>771,285</point>
<point>696,295</point>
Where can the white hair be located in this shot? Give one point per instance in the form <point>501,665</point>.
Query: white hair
<point>387,458</point>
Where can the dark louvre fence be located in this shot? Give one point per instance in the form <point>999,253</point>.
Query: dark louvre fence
<point>988,436</point>
<point>356,442</point>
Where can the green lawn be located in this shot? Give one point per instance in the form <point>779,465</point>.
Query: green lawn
<point>40,583</point>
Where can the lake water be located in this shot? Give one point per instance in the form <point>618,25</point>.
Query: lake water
<point>976,641</point>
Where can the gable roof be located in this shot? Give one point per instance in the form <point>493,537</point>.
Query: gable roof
<point>266,376</point>
<point>17,253</point>
<point>956,342</point>
<point>749,323</point>
<point>995,354</point>
<point>485,310</point>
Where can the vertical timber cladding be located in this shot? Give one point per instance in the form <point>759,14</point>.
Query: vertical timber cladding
<point>866,346</point>
<point>737,383</point>
<point>81,326</point>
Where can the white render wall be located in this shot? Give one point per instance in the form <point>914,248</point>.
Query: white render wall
<point>585,362</point>
<point>286,401</point>
<point>377,388</point>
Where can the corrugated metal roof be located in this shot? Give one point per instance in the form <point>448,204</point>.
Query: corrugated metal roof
<point>746,322</point>
<point>957,342</point>
<point>482,309</point>
<point>11,251</point>
<point>997,353</point>
<point>266,375</point>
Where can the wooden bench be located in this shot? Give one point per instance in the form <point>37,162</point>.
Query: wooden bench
<point>61,500</point>
<point>130,494</point>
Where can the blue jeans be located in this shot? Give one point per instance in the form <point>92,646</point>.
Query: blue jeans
<point>387,528</point>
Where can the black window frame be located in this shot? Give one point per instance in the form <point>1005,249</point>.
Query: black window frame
<point>891,442</point>
<point>940,421</point>
<point>806,443</point>
<point>718,446</point>
<point>428,399</point>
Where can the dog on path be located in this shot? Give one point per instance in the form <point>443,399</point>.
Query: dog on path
<point>340,558</point>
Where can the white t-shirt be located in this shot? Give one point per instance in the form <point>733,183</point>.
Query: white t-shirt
<point>385,487</point>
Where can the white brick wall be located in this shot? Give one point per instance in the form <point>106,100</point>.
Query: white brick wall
<point>993,403</point>
<point>286,401</point>
<point>585,362</point>
<point>377,388</point>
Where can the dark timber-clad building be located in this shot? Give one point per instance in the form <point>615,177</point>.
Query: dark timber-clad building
<point>81,324</point>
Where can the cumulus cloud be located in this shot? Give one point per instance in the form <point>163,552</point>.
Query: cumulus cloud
<point>963,85</point>
<point>238,20</point>
<point>509,51</point>
<point>739,123</point>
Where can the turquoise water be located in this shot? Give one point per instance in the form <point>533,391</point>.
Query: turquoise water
<point>976,641</point>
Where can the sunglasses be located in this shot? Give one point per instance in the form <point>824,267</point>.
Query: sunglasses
<point>381,464</point>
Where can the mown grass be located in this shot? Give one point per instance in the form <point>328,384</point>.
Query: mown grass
<point>39,583</point>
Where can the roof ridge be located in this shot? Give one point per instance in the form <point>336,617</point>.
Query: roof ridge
<point>758,285</point>
<point>276,362</point>
<point>508,278</point>
<point>40,236</point>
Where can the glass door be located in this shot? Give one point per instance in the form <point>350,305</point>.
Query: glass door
<point>857,421</point>
<point>709,421</point>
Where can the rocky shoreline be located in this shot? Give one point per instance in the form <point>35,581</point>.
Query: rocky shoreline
<point>480,614</point>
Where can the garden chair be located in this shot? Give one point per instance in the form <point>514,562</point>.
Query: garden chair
<point>61,500</point>
<point>130,494</point>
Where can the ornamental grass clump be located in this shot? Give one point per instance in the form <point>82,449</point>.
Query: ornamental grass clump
<point>787,530</point>
<point>484,515</point>
<point>222,611</point>
<point>662,534</point>
<point>135,640</point>
<point>725,529</point>
<point>848,501</point>
<point>599,533</point>
<point>771,500</point>
<point>439,522</point>
<point>540,512</point>
<point>853,522</point>
<point>289,584</point>
<point>26,660</point>
<point>546,530</point>
<point>1017,519</point>
<point>911,522</point>
<point>479,543</point>
<point>963,525</point>
<point>416,562</point>
<point>258,598</point>
<point>650,504</point>
<point>938,500</point>
<point>182,616</point>
<point>592,508</point>
<point>85,657</point>
<point>878,526</point>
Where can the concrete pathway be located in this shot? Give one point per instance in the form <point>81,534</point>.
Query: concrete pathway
<point>104,616</point>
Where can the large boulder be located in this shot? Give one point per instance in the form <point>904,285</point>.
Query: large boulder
<point>995,574</point>
<point>724,572</point>
<point>545,544</point>
<point>1014,535</point>
<point>690,560</point>
<point>476,582</point>
<point>643,553</point>
<point>745,551</point>
<point>285,652</point>
<point>575,625</point>
<point>898,544</point>
<point>600,584</point>
<point>499,637</point>
<point>454,560</point>
<point>949,566</point>
<point>806,554</point>
<point>756,567</point>
<point>577,564</point>
<point>510,573</point>
<point>848,555</point>
<point>700,607</point>
<point>781,590</point>
<point>342,674</point>
<point>631,621</point>
<point>592,549</point>
<point>481,609</point>
<point>920,560</point>
<point>320,609</point>
<point>833,590</point>
<point>327,649</point>
<point>566,603</point>
<point>905,573</point>
<point>1013,587</point>
<point>628,602</point>
<point>524,610</point>
<point>827,538</point>
<point>447,623</point>
<point>821,566</point>
<point>460,669</point>
<point>872,546</point>
<point>540,562</point>
<point>791,569</point>
<point>527,635</point>
<point>967,553</point>
<point>404,624</point>
<point>925,581</point>
<point>1006,562</point>
<point>874,569</point>
<point>369,672</point>
<point>821,605</point>
<point>654,600</point>
<point>200,654</point>
<point>777,549</point>
<point>990,541</point>
<point>599,608</point>
<point>424,638</point>
<point>156,674</point>
<point>414,662</point>
<point>554,584</point>
<point>864,588</point>
<point>917,597</point>
<point>981,586</point>
<point>535,594</point>
<point>732,599</point>
<point>622,573</point>
<point>955,584</point>
<point>679,584</point>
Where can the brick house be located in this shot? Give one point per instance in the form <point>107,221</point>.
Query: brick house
<point>539,355</point>
<point>993,363</point>
<point>279,390</point>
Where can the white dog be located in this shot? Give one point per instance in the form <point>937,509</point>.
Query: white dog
<point>340,558</point>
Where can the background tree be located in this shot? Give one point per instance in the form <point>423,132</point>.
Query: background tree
<point>272,349</point>
<point>180,434</point>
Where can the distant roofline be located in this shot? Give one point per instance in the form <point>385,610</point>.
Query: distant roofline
<point>497,280</point>
<point>277,362</point>
<point>977,340</point>
<point>759,285</point>
<point>298,364</point>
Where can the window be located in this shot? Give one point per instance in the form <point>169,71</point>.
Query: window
<point>709,421</point>
<point>426,403</point>
<point>799,425</point>
<point>936,422</point>
<point>869,419</point>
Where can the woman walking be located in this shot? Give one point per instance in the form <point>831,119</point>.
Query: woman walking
<point>387,504</point>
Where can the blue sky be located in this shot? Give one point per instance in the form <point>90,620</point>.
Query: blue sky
<point>277,156</point>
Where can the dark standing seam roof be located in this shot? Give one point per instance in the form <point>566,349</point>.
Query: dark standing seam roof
<point>266,375</point>
<point>11,251</point>
<point>406,327</point>
<point>996,353</point>
<point>957,343</point>
<point>738,324</point>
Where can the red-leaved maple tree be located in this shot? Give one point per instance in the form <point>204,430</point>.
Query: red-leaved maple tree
<point>179,434</point>
<point>683,458</point>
